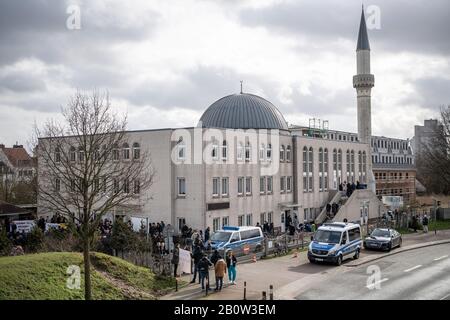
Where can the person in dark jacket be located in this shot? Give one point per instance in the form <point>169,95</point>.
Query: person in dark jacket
<point>215,257</point>
<point>175,259</point>
<point>197,255</point>
<point>203,270</point>
<point>231,266</point>
<point>207,234</point>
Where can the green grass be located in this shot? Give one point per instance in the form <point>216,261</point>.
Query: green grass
<point>43,276</point>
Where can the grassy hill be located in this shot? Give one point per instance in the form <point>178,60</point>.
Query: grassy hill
<point>43,276</point>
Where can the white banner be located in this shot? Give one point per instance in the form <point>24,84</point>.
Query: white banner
<point>24,225</point>
<point>184,265</point>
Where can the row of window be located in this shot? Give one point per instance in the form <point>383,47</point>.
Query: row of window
<point>102,185</point>
<point>242,152</point>
<point>391,176</point>
<point>391,159</point>
<point>124,152</point>
<point>397,145</point>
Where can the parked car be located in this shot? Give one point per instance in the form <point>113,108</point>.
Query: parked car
<point>335,242</point>
<point>383,239</point>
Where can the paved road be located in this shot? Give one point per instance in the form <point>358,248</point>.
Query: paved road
<point>418,274</point>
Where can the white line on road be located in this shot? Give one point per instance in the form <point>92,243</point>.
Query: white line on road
<point>440,258</point>
<point>413,268</point>
<point>373,285</point>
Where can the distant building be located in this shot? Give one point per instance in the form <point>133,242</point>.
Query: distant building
<point>423,135</point>
<point>16,163</point>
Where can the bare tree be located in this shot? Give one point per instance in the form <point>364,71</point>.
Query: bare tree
<point>87,167</point>
<point>433,163</point>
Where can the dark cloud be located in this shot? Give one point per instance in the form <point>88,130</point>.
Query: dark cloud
<point>405,25</point>
<point>432,92</point>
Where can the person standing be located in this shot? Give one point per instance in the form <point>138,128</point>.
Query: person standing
<point>215,257</point>
<point>197,256</point>
<point>207,234</point>
<point>176,259</point>
<point>203,271</point>
<point>231,266</point>
<point>425,223</point>
<point>220,269</point>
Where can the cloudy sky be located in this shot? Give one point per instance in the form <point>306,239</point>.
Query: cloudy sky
<point>165,62</point>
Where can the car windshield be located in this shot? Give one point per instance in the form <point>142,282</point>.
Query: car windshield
<point>327,236</point>
<point>380,233</point>
<point>221,236</point>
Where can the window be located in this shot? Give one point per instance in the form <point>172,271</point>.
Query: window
<point>126,151</point>
<point>216,187</point>
<point>325,169</point>
<point>224,150</point>
<point>310,170</point>
<point>57,185</point>
<point>353,165</point>
<point>72,185</point>
<point>262,218</point>
<point>181,150</point>
<point>116,187</point>
<point>115,153</point>
<point>216,224</point>
<point>181,182</point>
<point>270,217</point>
<point>269,152</point>
<point>81,154</point>
<point>240,185</point>
<point>137,186</point>
<point>282,184</point>
<point>262,185</point>
<point>241,220</point>
<point>248,152</point>
<point>305,169</point>
<point>225,221</point>
<point>57,155</point>
<point>126,186</point>
<point>288,153</point>
<point>215,151</point>
<point>269,184</point>
<point>321,170</point>
<point>249,219</point>
<point>240,151</point>
<point>72,154</point>
<point>262,152</point>
<point>364,167</point>
<point>97,185</point>
<point>224,187</point>
<point>288,184</point>
<point>359,166</point>
<point>282,153</point>
<point>348,165</point>
<point>248,185</point>
<point>136,151</point>
<point>354,234</point>
<point>97,154</point>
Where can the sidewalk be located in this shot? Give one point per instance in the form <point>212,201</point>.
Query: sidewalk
<point>288,274</point>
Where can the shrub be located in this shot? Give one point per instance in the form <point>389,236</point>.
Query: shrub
<point>5,244</point>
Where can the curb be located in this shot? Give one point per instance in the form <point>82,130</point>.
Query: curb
<point>404,249</point>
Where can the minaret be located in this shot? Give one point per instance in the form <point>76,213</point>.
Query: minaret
<point>363,82</point>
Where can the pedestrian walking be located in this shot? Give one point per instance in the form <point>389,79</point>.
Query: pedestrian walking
<point>207,234</point>
<point>220,269</point>
<point>175,259</point>
<point>231,266</point>
<point>425,223</point>
<point>203,271</point>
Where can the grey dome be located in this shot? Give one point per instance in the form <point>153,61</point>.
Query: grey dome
<point>243,111</point>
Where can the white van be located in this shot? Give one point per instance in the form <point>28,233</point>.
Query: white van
<point>242,240</point>
<point>335,242</point>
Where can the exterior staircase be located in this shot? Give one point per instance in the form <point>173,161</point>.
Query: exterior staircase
<point>334,196</point>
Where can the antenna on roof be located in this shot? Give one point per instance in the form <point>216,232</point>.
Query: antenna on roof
<point>241,85</point>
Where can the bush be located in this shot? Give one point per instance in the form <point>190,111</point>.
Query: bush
<point>60,240</point>
<point>5,244</point>
<point>34,240</point>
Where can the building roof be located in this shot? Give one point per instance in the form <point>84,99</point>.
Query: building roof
<point>243,111</point>
<point>18,156</point>
<point>363,39</point>
<point>10,209</point>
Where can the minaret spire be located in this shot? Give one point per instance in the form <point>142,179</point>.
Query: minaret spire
<point>363,39</point>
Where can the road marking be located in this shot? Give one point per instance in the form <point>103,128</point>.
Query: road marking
<point>372,285</point>
<point>413,268</point>
<point>440,258</point>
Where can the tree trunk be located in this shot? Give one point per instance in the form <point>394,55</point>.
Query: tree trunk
<point>87,271</point>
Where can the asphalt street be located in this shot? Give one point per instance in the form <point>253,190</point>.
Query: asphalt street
<point>417,274</point>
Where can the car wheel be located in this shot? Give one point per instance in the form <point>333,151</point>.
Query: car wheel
<point>339,260</point>
<point>356,256</point>
<point>400,243</point>
<point>389,247</point>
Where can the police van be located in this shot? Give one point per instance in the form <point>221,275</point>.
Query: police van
<point>241,240</point>
<point>335,242</point>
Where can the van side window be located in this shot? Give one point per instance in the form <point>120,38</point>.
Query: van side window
<point>249,234</point>
<point>354,234</point>
<point>344,237</point>
<point>234,237</point>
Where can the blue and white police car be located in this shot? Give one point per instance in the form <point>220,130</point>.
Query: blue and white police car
<point>241,240</point>
<point>335,242</point>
